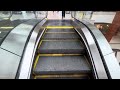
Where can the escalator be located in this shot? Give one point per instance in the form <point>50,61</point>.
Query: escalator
<point>61,53</point>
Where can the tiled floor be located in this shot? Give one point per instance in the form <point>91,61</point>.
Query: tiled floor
<point>115,43</point>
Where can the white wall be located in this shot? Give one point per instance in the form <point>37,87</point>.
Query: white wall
<point>103,17</point>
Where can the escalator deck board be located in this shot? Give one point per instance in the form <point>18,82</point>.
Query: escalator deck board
<point>61,47</point>
<point>63,36</point>
<point>61,65</point>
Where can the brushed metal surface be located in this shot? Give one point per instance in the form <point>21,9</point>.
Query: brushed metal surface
<point>113,66</point>
<point>101,40</point>
<point>29,53</point>
<point>93,51</point>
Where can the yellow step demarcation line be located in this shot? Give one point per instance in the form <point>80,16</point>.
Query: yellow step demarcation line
<point>6,27</point>
<point>40,44</point>
<point>5,18</point>
<point>43,40</point>
<point>37,58</point>
<point>59,27</point>
<point>60,54</point>
<point>70,76</point>
<point>42,37</point>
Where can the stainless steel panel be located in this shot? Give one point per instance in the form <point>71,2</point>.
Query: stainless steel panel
<point>101,40</point>
<point>15,41</point>
<point>8,64</point>
<point>108,55</point>
<point>28,57</point>
<point>93,51</point>
<point>113,66</point>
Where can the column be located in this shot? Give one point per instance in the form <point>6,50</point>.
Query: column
<point>113,27</point>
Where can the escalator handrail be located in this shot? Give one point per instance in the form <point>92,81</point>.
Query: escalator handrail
<point>109,59</point>
<point>97,64</point>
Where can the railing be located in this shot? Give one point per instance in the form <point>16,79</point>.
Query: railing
<point>108,58</point>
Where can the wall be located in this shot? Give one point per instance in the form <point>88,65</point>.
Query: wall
<point>106,17</point>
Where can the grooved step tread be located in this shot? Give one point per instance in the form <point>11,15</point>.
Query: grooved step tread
<point>63,36</point>
<point>58,23</point>
<point>61,65</point>
<point>61,47</point>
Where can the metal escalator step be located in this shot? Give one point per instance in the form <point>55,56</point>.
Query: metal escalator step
<point>60,30</point>
<point>58,23</point>
<point>62,65</point>
<point>61,47</point>
<point>64,36</point>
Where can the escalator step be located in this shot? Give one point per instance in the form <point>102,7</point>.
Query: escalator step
<point>58,23</point>
<point>60,30</point>
<point>63,36</point>
<point>61,47</point>
<point>61,65</point>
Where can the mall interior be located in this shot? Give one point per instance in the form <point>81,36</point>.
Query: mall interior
<point>59,44</point>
